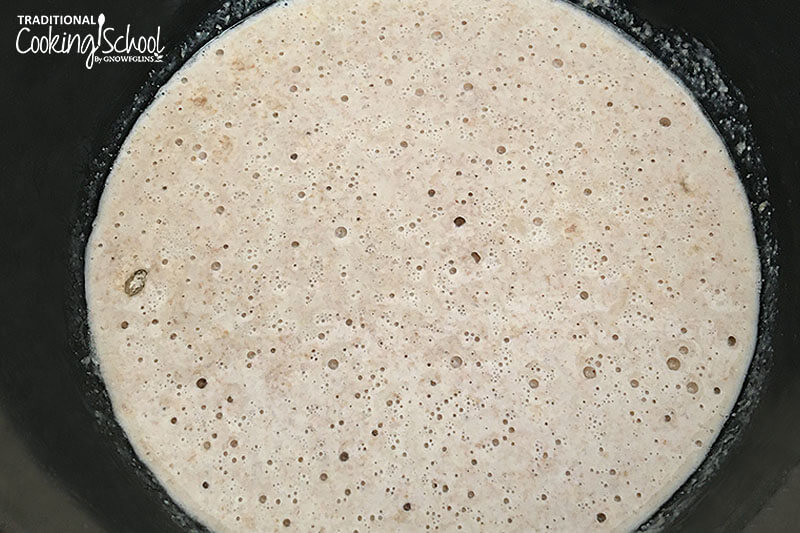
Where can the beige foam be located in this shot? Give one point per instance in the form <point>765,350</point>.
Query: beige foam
<point>423,265</point>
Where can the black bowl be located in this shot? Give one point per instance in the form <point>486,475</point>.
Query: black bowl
<point>65,464</point>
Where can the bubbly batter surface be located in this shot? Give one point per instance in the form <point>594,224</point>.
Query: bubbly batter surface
<point>420,265</point>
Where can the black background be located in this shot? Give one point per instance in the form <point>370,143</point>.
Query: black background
<point>56,115</point>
